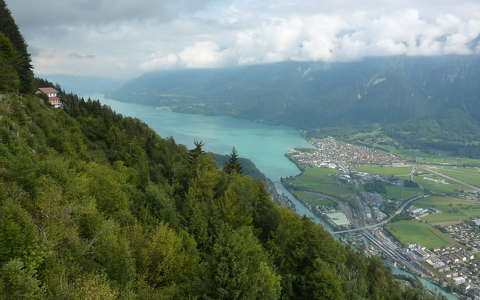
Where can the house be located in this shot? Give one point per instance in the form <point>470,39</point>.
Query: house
<point>52,95</point>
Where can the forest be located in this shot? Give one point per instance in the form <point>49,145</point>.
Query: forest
<point>94,205</point>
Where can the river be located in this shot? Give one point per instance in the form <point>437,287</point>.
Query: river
<point>263,144</point>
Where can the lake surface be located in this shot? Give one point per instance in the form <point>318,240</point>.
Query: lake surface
<point>265,145</point>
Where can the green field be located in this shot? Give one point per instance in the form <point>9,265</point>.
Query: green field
<point>401,193</point>
<point>451,209</point>
<point>313,199</point>
<point>435,187</point>
<point>412,231</point>
<point>467,175</point>
<point>401,172</point>
<point>319,180</point>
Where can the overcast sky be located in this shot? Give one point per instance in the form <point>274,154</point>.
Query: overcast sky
<point>125,38</point>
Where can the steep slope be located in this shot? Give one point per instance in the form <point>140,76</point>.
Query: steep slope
<point>92,203</point>
<point>21,61</point>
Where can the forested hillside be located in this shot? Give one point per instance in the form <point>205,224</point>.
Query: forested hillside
<point>94,205</point>
<point>15,64</point>
<point>422,102</point>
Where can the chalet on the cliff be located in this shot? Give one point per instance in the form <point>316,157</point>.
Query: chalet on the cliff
<point>52,95</point>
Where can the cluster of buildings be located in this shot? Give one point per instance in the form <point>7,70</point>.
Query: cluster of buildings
<point>338,155</point>
<point>467,234</point>
<point>374,205</point>
<point>452,266</point>
<point>418,212</point>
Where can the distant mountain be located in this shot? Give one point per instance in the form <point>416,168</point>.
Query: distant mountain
<point>439,96</point>
<point>84,85</point>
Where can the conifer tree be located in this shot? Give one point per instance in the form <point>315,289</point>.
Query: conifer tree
<point>9,80</point>
<point>233,164</point>
<point>197,151</point>
<point>23,63</point>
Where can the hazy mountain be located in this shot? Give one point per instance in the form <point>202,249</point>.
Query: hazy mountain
<point>391,91</point>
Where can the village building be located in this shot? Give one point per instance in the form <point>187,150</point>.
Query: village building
<point>52,95</point>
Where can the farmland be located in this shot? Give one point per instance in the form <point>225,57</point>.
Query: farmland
<point>450,209</point>
<point>319,180</point>
<point>412,231</point>
<point>400,172</point>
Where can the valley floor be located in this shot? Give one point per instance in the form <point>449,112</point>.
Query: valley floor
<point>423,217</point>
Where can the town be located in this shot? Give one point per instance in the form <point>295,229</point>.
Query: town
<point>414,216</point>
<point>334,154</point>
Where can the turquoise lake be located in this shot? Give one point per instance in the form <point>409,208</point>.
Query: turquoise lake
<point>265,145</point>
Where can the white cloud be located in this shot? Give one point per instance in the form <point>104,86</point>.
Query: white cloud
<point>127,38</point>
<point>205,54</point>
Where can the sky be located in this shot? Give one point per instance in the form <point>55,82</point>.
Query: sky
<point>126,38</point>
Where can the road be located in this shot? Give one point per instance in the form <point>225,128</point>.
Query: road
<point>399,210</point>
<point>477,189</point>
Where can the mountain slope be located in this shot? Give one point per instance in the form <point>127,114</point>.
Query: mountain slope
<point>21,61</point>
<point>391,91</point>
<point>106,207</point>
<point>94,205</point>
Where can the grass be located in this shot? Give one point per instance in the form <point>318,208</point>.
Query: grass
<point>313,199</point>
<point>319,180</point>
<point>412,231</point>
<point>437,188</point>
<point>401,193</point>
<point>451,209</point>
<point>467,175</point>
<point>386,170</point>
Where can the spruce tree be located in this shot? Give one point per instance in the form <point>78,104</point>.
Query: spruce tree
<point>9,80</point>
<point>23,63</point>
<point>233,164</point>
<point>197,151</point>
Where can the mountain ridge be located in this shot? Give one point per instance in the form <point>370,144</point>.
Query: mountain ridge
<point>393,92</point>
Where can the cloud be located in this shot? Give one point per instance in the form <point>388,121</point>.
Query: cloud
<point>124,38</point>
<point>34,13</point>
<point>331,38</point>
<point>81,56</point>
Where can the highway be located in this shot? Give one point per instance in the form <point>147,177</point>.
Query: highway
<point>399,210</point>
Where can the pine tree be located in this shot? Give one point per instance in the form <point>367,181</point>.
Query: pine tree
<point>23,63</point>
<point>233,164</point>
<point>9,80</point>
<point>197,151</point>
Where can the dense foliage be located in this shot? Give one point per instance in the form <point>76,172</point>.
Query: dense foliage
<point>428,103</point>
<point>15,63</point>
<point>93,204</point>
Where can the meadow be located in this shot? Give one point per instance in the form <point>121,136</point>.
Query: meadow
<point>450,209</point>
<point>412,231</point>
<point>319,180</point>
<point>400,172</point>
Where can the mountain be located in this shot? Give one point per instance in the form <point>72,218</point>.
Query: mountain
<point>94,205</point>
<point>440,96</point>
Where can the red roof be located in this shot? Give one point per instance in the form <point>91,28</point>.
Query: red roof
<point>48,90</point>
